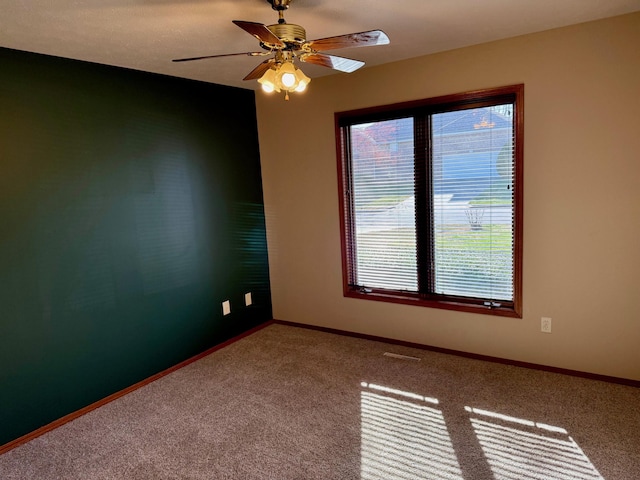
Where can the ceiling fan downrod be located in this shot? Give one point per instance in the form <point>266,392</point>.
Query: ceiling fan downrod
<point>280,6</point>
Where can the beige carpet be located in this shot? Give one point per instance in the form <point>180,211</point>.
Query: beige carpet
<point>292,403</point>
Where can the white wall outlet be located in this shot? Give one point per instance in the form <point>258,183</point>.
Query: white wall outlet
<point>247,299</point>
<point>226,307</point>
<point>545,324</point>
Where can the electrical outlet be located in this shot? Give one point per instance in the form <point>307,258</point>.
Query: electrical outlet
<point>545,324</point>
<point>247,299</point>
<point>226,307</point>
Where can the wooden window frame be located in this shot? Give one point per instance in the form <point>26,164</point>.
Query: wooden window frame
<point>474,99</point>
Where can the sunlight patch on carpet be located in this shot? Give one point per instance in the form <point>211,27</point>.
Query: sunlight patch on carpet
<point>519,449</point>
<point>404,438</point>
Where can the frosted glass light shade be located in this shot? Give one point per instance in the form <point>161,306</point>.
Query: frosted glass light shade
<point>286,76</point>
<point>269,82</point>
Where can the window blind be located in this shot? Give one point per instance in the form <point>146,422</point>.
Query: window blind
<point>472,185</point>
<point>382,176</point>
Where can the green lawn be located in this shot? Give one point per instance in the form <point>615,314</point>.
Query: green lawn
<point>455,237</point>
<point>462,238</point>
<point>481,258</point>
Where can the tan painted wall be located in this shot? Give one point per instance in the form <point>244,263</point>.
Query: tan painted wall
<point>581,191</point>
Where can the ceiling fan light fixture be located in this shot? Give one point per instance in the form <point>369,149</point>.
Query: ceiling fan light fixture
<point>286,76</point>
<point>303,81</point>
<point>267,87</point>
<point>269,82</point>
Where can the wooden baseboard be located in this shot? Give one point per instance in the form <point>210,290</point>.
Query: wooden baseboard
<point>475,356</point>
<point>72,416</point>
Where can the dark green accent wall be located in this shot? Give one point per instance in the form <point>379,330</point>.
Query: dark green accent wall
<point>130,208</point>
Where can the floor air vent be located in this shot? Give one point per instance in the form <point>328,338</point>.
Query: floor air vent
<point>401,357</point>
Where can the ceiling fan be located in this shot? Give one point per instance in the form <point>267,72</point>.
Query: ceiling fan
<point>287,42</point>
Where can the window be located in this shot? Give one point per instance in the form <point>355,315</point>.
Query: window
<point>431,201</point>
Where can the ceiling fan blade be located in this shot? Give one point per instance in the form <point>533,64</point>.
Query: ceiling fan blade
<point>342,64</point>
<point>251,54</point>
<point>362,39</point>
<point>259,70</point>
<point>261,32</point>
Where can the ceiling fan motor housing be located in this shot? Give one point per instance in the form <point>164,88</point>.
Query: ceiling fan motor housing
<point>291,34</point>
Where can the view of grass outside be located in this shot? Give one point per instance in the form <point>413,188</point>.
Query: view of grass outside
<point>479,260</point>
<point>475,262</point>
<point>387,258</point>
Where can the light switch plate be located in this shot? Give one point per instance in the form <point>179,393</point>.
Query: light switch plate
<point>247,299</point>
<point>226,307</point>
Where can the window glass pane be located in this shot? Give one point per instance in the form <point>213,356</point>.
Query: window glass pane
<point>382,173</point>
<point>473,202</point>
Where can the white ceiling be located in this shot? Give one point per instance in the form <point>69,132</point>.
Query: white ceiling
<point>147,34</point>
